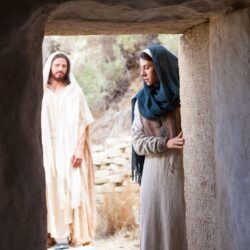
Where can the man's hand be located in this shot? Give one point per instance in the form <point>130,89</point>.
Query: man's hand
<point>77,159</point>
<point>176,142</point>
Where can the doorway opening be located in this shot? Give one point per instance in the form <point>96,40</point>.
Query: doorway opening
<point>107,69</point>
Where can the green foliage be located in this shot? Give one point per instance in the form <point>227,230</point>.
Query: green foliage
<point>90,81</point>
<point>127,41</point>
<point>131,42</point>
<point>101,70</point>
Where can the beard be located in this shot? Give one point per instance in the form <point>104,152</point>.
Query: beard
<point>58,77</point>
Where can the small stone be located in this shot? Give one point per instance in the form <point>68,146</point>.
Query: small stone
<point>102,173</point>
<point>97,148</point>
<point>111,153</point>
<point>116,168</point>
<point>99,158</point>
<point>116,179</point>
<point>119,161</point>
<point>101,177</point>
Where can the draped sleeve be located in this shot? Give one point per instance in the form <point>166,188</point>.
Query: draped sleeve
<point>85,112</point>
<point>85,119</point>
<point>145,144</point>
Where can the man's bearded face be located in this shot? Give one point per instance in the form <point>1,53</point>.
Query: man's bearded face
<point>59,69</point>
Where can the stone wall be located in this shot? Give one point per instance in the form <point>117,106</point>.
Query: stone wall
<point>196,112</point>
<point>117,196</point>
<point>22,186</point>
<point>131,16</point>
<point>215,95</point>
<point>230,77</point>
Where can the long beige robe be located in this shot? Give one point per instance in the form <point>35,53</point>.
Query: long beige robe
<point>69,190</point>
<point>162,211</point>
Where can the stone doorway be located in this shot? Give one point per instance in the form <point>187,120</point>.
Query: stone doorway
<point>23,211</point>
<point>117,196</point>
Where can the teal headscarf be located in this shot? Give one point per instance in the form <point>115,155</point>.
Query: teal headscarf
<point>157,100</point>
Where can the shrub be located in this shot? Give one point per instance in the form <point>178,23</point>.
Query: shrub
<point>119,211</point>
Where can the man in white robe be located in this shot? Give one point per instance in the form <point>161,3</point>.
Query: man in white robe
<point>66,154</point>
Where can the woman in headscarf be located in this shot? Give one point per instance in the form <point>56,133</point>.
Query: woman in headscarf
<point>157,152</point>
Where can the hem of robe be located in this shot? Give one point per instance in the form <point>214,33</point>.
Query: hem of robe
<point>77,228</point>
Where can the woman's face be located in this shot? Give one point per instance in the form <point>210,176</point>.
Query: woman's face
<point>148,72</point>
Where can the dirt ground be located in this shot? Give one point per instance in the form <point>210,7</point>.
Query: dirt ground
<point>123,240</point>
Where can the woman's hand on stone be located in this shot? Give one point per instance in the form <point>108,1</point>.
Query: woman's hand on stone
<point>176,142</point>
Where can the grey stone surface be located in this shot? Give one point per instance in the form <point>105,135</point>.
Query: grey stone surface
<point>197,125</point>
<point>126,17</point>
<point>22,187</point>
<point>215,94</point>
<point>230,77</point>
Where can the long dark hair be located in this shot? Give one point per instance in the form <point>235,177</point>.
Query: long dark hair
<point>61,55</point>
